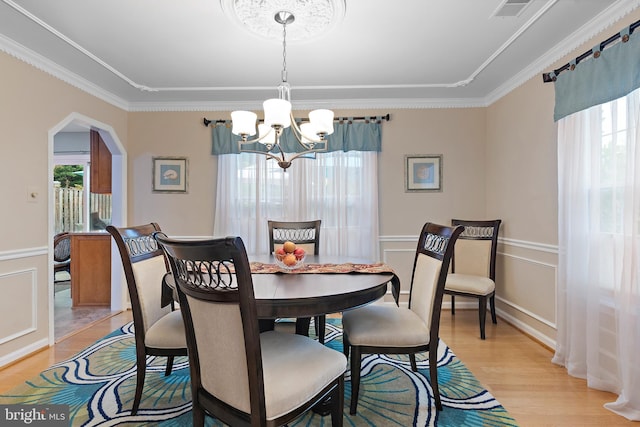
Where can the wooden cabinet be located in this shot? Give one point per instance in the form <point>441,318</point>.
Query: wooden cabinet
<point>90,269</point>
<point>100,182</point>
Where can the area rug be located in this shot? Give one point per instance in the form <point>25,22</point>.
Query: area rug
<point>98,385</point>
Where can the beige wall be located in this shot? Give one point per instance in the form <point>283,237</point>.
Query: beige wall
<point>32,103</point>
<point>180,135</point>
<point>498,162</point>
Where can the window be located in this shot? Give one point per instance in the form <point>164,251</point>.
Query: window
<point>340,188</point>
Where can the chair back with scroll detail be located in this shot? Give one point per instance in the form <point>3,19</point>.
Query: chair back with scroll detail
<point>473,267</point>
<point>382,329</point>
<point>159,330</point>
<point>61,253</point>
<point>238,375</point>
<point>305,234</point>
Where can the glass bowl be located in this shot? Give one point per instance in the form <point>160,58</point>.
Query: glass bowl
<point>299,263</point>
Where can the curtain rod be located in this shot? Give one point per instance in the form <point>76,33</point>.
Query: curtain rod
<point>386,117</point>
<point>546,77</point>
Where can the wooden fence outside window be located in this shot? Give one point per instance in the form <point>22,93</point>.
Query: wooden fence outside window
<point>69,210</point>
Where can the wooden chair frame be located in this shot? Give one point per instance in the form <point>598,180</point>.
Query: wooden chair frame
<point>299,232</point>
<point>62,253</point>
<point>215,257</point>
<point>145,248</point>
<point>436,241</point>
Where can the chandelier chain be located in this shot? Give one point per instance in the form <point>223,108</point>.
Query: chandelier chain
<point>284,52</point>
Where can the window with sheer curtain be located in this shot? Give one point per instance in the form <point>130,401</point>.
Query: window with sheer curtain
<point>599,240</point>
<point>339,187</point>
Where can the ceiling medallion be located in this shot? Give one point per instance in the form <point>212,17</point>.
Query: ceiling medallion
<point>313,17</point>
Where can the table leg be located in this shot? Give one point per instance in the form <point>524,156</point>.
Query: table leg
<point>266,324</point>
<point>302,326</point>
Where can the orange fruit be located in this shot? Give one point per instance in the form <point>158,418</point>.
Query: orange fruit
<point>289,259</point>
<point>289,247</point>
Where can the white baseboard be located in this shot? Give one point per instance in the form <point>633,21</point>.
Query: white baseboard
<point>23,352</point>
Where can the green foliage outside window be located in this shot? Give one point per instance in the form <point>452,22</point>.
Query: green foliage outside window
<point>68,175</point>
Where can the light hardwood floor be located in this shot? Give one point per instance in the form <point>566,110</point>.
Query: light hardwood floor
<point>514,368</point>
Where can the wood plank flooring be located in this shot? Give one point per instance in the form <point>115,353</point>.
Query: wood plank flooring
<point>514,368</point>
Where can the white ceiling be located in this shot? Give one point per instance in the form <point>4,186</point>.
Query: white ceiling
<point>188,55</point>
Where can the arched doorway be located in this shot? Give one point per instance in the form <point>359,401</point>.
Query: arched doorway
<point>77,122</point>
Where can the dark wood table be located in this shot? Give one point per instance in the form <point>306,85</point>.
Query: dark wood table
<point>305,295</point>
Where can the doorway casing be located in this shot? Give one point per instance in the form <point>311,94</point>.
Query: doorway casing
<point>119,205</point>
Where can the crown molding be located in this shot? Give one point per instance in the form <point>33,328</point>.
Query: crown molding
<point>47,66</point>
<point>589,30</point>
<point>350,104</point>
<point>597,25</point>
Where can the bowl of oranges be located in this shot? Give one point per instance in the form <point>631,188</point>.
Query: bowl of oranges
<point>289,256</point>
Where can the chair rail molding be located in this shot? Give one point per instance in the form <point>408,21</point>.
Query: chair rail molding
<point>23,253</point>
<point>525,244</point>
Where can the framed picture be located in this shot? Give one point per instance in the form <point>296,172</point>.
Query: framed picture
<point>170,174</point>
<point>423,172</point>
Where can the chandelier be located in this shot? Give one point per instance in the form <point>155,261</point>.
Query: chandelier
<point>310,136</point>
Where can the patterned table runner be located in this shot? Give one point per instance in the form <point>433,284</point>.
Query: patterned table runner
<point>347,267</point>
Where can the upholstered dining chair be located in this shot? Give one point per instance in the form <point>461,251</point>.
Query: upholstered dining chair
<point>159,330</point>
<point>305,234</point>
<point>381,329</point>
<point>61,253</point>
<point>473,267</point>
<point>238,375</point>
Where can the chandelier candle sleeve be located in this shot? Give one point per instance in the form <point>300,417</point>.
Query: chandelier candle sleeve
<point>244,123</point>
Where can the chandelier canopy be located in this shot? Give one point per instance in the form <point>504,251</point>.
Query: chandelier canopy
<point>310,135</point>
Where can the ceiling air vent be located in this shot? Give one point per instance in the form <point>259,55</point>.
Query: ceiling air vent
<point>511,8</point>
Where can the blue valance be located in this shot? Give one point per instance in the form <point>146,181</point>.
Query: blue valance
<point>346,136</point>
<point>610,74</point>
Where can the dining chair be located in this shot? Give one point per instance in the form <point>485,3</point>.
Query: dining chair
<point>473,267</point>
<point>238,375</point>
<point>159,329</point>
<point>61,253</point>
<point>389,329</point>
<point>305,234</point>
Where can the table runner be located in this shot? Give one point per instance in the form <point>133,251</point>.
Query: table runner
<point>347,267</point>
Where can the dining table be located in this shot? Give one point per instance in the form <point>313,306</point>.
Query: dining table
<point>322,285</point>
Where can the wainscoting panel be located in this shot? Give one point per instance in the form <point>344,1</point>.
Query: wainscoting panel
<point>21,286</point>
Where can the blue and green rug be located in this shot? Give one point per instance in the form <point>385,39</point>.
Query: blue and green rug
<point>98,385</point>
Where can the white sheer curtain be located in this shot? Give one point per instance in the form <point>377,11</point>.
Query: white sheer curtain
<point>339,188</point>
<point>599,263</point>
